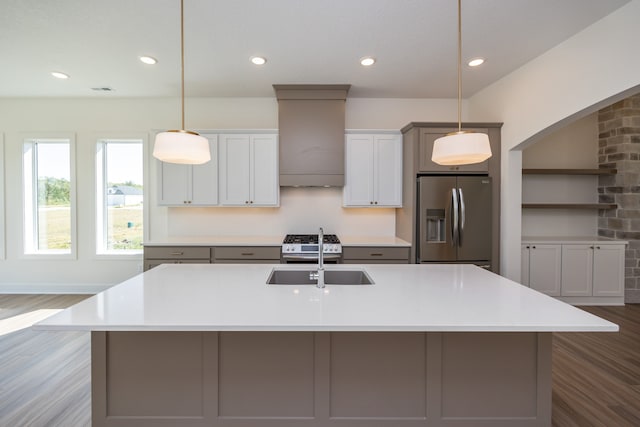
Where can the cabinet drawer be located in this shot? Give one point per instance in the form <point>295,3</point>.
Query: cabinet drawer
<point>246,252</point>
<point>374,253</point>
<point>177,252</point>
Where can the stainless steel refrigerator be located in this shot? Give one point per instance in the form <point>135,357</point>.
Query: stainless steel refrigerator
<point>454,219</point>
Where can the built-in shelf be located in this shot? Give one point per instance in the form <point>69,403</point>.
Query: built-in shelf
<point>601,171</point>
<point>569,206</point>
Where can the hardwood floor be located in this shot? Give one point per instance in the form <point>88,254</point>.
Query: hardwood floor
<point>45,376</point>
<point>596,376</point>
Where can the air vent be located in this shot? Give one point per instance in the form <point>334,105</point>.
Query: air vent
<point>103,89</point>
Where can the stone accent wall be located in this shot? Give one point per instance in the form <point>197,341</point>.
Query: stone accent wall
<point>619,148</point>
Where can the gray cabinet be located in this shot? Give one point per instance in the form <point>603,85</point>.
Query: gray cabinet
<point>156,255</point>
<point>246,254</point>
<point>375,255</point>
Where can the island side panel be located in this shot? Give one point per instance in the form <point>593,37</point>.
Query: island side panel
<point>316,379</point>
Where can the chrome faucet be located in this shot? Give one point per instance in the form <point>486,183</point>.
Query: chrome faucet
<point>320,273</point>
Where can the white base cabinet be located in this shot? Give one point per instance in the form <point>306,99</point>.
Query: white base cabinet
<point>580,272</point>
<point>373,170</point>
<point>541,268</point>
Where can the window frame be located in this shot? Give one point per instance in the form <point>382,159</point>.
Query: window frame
<point>100,198</point>
<point>29,245</point>
<point>3,242</point>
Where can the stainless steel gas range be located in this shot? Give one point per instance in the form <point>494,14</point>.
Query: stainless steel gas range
<point>303,248</point>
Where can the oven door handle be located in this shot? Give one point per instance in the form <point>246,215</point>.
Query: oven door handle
<point>311,257</point>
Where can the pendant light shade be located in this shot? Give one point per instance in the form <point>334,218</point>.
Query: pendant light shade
<point>461,147</point>
<point>181,146</point>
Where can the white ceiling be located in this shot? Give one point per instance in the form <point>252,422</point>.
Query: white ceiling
<point>97,42</point>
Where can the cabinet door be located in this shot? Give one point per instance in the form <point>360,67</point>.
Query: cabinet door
<point>264,170</point>
<point>524,266</point>
<point>387,171</point>
<point>577,270</point>
<point>173,184</point>
<point>204,178</point>
<point>608,270</point>
<point>544,268</point>
<point>235,170</point>
<point>428,138</point>
<point>358,189</point>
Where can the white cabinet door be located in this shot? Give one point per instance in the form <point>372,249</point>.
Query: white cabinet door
<point>264,170</point>
<point>235,180</point>
<point>249,170</point>
<point>577,270</point>
<point>174,184</point>
<point>544,268</point>
<point>388,170</point>
<point>373,171</point>
<point>204,178</point>
<point>358,190</point>
<point>185,185</point>
<point>608,270</point>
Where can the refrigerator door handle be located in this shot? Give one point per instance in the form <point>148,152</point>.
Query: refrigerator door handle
<point>454,217</point>
<point>462,217</point>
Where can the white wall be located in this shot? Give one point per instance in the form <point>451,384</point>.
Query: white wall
<point>88,119</point>
<point>574,146</point>
<point>590,70</point>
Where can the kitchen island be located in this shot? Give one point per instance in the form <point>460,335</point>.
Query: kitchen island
<point>425,345</point>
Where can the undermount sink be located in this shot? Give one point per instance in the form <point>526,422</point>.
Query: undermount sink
<point>331,277</point>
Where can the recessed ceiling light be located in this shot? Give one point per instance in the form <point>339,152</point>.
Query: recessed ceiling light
<point>59,75</point>
<point>367,61</point>
<point>475,62</point>
<point>148,60</point>
<point>258,60</point>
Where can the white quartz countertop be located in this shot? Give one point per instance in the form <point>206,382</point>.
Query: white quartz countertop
<point>225,297</point>
<point>573,239</point>
<point>391,241</point>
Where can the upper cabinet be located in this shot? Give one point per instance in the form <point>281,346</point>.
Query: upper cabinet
<point>373,170</point>
<point>428,138</point>
<point>190,185</point>
<point>249,170</point>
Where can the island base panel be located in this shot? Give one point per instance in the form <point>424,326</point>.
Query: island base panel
<point>315,379</point>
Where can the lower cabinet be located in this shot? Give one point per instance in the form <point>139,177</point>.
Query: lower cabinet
<point>576,272</point>
<point>246,255</point>
<point>375,255</point>
<point>541,268</point>
<point>156,255</point>
<point>592,270</point>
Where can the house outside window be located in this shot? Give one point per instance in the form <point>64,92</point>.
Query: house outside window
<point>119,196</point>
<point>49,197</point>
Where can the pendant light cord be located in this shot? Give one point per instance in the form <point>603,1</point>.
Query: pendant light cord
<point>459,66</point>
<point>182,61</point>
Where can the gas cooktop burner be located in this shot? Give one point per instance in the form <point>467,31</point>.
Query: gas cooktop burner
<point>309,239</point>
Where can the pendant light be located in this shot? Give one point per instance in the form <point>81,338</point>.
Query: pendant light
<point>461,147</point>
<point>181,146</point>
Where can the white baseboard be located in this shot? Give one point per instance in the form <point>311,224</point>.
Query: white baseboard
<point>53,288</point>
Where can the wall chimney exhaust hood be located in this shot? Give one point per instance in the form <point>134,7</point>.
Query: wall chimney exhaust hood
<point>311,132</point>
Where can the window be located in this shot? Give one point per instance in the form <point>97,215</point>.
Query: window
<point>119,190</point>
<point>48,190</point>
